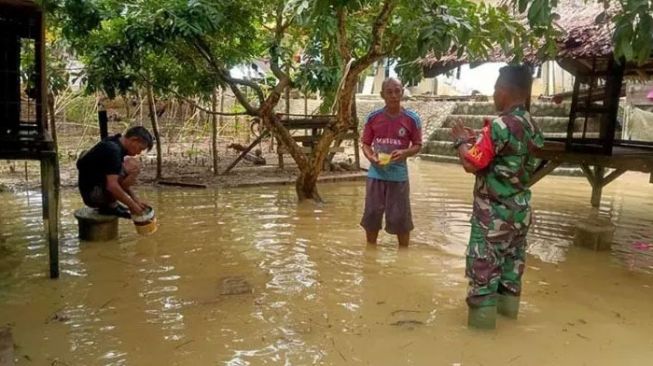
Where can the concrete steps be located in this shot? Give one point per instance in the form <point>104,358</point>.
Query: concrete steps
<point>537,109</point>
<point>546,124</point>
<point>444,134</point>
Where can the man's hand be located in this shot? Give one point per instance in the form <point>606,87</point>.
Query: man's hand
<point>459,131</point>
<point>116,190</point>
<point>472,135</point>
<point>136,210</point>
<point>143,205</point>
<point>370,154</point>
<point>398,155</point>
<point>373,158</point>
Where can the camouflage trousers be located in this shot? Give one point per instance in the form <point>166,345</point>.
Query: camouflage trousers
<point>495,264</point>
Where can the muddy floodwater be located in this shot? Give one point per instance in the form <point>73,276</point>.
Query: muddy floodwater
<point>248,277</point>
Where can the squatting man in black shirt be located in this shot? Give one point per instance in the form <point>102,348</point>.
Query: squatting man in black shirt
<point>108,171</point>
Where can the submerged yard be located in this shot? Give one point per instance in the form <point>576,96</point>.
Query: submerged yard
<point>306,290</point>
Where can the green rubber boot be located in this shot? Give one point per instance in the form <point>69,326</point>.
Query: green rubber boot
<point>508,306</point>
<point>482,318</point>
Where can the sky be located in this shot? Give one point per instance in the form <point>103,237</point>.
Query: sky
<point>480,78</point>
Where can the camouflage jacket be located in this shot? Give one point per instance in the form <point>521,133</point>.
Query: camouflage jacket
<point>501,193</point>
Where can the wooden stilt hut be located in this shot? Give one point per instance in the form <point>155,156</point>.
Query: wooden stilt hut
<point>24,133</point>
<point>585,50</point>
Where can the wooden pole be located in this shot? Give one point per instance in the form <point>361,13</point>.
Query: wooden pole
<point>155,130</point>
<point>41,74</point>
<point>140,107</point>
<point>50,197</point>
<point>214,131</point>
<point>287,95</point>
<point>571,125</point>
<point>51,114</point>
<point>103,121</point>
<point>354,112</point>
<point>614,81</point>
<point>597,186</point>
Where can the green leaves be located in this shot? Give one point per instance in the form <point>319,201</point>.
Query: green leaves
<point>125,44</point>
<point>633,36</point>
<point>121,41</point>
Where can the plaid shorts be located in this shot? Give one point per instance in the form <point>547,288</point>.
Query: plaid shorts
<point>389,198</point>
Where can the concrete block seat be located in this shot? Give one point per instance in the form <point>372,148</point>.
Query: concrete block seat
<point>94,226</point>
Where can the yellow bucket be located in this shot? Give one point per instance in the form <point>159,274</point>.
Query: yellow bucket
<point>146,224</point>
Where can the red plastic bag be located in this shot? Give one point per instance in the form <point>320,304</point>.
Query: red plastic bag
<point>481,154</point>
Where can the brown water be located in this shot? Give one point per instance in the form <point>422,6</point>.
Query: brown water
<point>319,296</point>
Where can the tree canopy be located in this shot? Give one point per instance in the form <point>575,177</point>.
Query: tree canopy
<point>189,47</point>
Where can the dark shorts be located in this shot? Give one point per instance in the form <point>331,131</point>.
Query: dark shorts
<point>391,199</point>
<point>97,197</point>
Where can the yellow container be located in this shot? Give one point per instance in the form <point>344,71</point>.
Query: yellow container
<point>146,228</point>
<point>146,224</point>
<point>384,159</point>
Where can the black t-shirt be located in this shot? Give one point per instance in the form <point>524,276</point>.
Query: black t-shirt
<point>105,158</point>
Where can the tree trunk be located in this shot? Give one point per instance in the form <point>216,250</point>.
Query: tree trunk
<point>155,130</point>
<point>214,131</point>
<point>306,183</point>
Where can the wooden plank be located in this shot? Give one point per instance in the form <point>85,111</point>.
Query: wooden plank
<point>588,173</point>
<point>313,138</point>
<point>305,123</point>
<point>629,158</point>
<point>591,110</point>
<point>248,149</point>
<point>612,176</point>
<point>308,149</point>
<point>309,116</point>
<point>308,138</point>
<point>543,171</point>
<point>181,184</point>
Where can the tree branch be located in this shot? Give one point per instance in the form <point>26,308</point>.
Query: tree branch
<point>380,23</point>
<point>150,83</point>
<point>279,30</point>
<point>342,39</point>
<point>223,75</point>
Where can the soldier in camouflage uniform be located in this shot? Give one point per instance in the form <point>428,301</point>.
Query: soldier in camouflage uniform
<point>501,157</point>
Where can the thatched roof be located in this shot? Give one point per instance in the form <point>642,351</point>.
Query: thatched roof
<point>587,33</point>
<point>582,37</point>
